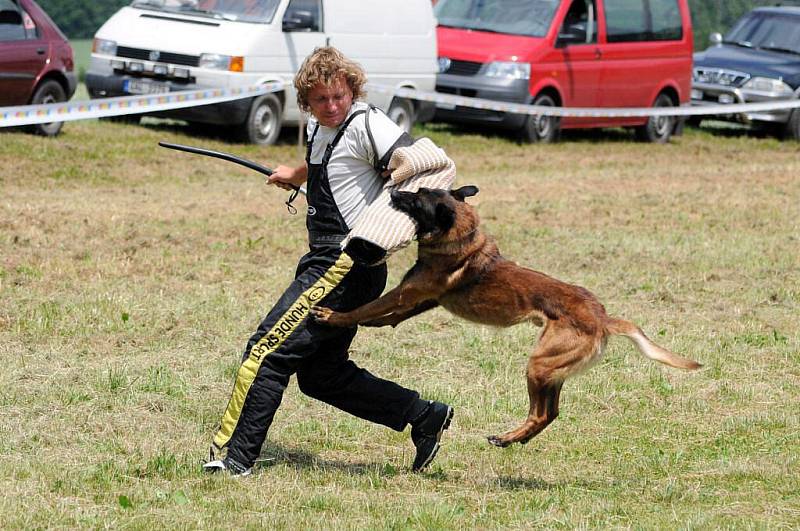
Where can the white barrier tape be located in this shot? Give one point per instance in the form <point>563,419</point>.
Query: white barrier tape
<point>585,112</point>
<point>101,108</point>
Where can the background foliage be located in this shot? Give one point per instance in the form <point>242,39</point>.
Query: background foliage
<point>80,19</point>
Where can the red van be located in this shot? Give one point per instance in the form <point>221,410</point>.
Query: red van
<point>570,53</point>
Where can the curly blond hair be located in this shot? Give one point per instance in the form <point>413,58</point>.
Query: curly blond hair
<point>324,66</point>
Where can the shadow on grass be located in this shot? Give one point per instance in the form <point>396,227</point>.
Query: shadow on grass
<point>612,135</point>
<point>592,136</point>
<point>525,483</point>
<point>275,454</point>
<point>723,130</point>
<point>13,130</point>
<point>519,483</point>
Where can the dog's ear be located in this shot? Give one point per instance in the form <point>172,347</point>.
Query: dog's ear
<point>445,217</point>
<point>464,192</point>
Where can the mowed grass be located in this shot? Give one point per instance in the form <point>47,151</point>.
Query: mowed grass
<point>132,276</point>
<point>82,51</point>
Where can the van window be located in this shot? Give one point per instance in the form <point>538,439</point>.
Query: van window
<point>580,23</point>
<point>11,28</point>
<point>303,14</point>
<point>240,10</point>
<point>518,17</point>
<point>643,20</point>
<point>667,24</point>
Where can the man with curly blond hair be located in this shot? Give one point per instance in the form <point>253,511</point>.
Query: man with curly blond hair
<point>350,144</point>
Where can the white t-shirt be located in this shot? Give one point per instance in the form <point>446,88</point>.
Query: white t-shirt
<point>353,180</point>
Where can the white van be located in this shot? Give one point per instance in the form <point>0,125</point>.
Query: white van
<point>155,46</point>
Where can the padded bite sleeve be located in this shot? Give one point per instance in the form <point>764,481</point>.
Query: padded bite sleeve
<point>420,165</point>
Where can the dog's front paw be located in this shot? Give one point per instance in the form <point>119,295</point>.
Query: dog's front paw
<point>327,316</point>
<point>321,314</point>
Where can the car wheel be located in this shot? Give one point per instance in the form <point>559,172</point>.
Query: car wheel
<point>793,125</point>
<point>658,129</point>
<point>401,112</point>
<point>263,124</point>
<point>50,91</point>
<point>544,129</point>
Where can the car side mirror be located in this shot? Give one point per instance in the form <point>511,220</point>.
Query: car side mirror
<point>715,38</point>
<point>299,21</point>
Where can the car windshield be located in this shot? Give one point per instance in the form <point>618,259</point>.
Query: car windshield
<point>767,31</point>
<point>241,10</point>
<point>518,17</point>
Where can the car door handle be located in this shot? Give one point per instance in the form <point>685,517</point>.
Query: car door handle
<point>598,54</point>
<point>41,51</point>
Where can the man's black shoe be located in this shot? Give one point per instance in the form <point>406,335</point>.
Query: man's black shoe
<point>426,432</point>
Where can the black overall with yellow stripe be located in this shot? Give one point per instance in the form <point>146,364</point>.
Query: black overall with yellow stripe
<point>289,342</point>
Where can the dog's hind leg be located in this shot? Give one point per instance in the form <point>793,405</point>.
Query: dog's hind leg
<point>546,410</point>
<point>560,353</point>
<point>543,411</point>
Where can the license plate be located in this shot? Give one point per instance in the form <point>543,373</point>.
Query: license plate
<point>143,86</point>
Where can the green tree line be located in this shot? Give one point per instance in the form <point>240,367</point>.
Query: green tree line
<point>80,19</point>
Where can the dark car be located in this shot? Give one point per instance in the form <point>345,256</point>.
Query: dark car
<point>757,61</point>
<point>36,61</point>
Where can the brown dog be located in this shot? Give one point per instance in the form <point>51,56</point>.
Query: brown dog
<point>459,267</point>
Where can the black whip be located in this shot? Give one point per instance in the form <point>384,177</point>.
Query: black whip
<point>238,160</point>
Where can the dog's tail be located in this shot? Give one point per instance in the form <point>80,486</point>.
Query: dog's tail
<point>647,347</point>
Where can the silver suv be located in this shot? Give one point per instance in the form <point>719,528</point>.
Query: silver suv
<point>758,60</point>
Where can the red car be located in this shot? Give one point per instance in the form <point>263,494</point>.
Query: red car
<point>36,61</point>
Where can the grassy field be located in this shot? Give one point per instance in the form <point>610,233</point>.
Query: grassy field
<point>82,50</point>
<point>132,276</point>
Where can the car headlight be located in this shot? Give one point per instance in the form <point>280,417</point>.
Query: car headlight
<point>509,70</point>
<point>768,84</point>
<point>104,46</point>
<point>234,63</point>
